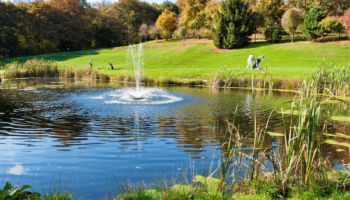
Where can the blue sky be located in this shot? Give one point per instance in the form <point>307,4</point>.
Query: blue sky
<point>149,1</point>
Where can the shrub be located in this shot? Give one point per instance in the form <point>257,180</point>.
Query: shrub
<point>330,25</point>
<point>311,19</point>
<point>233,25</point>
<point>273,34</point>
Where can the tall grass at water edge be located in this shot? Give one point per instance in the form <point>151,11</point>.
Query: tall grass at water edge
<point>323,79</point>
<point>251,165</point>
<point>50,68</point>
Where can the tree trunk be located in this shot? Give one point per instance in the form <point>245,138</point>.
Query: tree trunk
<point>339,34</point>
<point>183,41</point>
<point>333,36</point>
<point>255,35</point>
<point>292,35</point>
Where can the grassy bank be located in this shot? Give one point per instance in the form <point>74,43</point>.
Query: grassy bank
<point>323,78</point>
<point>196,60</point>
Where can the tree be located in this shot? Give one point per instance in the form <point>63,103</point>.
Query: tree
<point>193,13</point>
<point>103,35</point>
<point>167,21</point>
<point>327,5</point>
<point>311,19</point>
<point>154,31</point>
<point>183,31</point>
<point>346,21</point>
<point>166,5</point>
<point>340,6</point>
<point>272,10</point>
<point>258,21</point>
<point>233,25</point>
<point>143,31</point>
<point>330,25</point>
<point>291,20</point>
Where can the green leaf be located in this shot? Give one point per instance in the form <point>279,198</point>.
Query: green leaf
<point>337,143</point>
<point>24,187</point>
<point>275,134</point>
<point>340,118</point>
<point>288,112</point>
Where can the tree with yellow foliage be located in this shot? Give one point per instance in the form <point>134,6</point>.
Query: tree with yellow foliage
<point>167,21</point>
<point>197,14</point>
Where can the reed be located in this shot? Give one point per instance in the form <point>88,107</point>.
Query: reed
<point>32,68</point>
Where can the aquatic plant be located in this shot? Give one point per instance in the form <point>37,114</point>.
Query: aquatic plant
<point>8,192</point>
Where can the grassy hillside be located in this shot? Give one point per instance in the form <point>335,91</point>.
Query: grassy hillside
<point>170,58</point>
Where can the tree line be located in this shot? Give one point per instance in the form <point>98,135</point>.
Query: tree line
<point>70,25</point>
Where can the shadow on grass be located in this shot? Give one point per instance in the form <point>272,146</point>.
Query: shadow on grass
<point>63,56</point>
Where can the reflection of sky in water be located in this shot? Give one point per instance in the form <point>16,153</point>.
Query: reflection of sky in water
<point>57,132</point>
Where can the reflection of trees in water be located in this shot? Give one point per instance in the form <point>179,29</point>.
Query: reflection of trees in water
<point>204,123</point>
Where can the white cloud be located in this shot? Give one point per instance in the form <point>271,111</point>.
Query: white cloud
<point>18,169</point>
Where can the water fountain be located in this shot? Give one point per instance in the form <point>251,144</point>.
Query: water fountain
<point>139,95</point>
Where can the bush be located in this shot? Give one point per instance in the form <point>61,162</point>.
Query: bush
<point>310,27</point>
<point>330,25</point>
<point>273,34</point>
<point>233,25</point>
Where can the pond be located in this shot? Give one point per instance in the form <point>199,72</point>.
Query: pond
<point>74,133</point>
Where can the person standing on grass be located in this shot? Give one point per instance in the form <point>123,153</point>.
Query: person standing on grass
<point>110,65</point>
<point>250,61</point>
<point>91,63</point>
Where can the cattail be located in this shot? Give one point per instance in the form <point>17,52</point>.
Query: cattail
<point>13,190</point>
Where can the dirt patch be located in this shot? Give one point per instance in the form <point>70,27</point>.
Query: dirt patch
<point>346,42</point>
<point>217,50</point>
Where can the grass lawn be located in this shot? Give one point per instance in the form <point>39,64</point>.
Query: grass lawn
<point>170,58</point>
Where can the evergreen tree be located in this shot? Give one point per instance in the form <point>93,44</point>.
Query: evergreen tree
<point>310,27</point>
<point>233,25</point>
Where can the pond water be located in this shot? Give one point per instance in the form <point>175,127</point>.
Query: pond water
<point>54,130</point>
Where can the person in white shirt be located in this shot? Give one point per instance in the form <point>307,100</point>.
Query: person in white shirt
<point>250,61</point>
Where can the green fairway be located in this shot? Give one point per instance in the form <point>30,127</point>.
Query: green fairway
<point>170,58</point>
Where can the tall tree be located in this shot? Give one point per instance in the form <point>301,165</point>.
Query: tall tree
<point>193,13</point>
<point>258,21</point>
<point>233,25</point>
<point>310,28</point>
<point>167,21</point>
<point>103,35</point>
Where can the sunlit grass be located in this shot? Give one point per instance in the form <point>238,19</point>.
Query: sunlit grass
<point>169,58</point>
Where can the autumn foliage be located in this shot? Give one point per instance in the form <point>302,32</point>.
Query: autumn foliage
<point>41,27</point>
<point>167,21</point>
<point>346,21</point>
